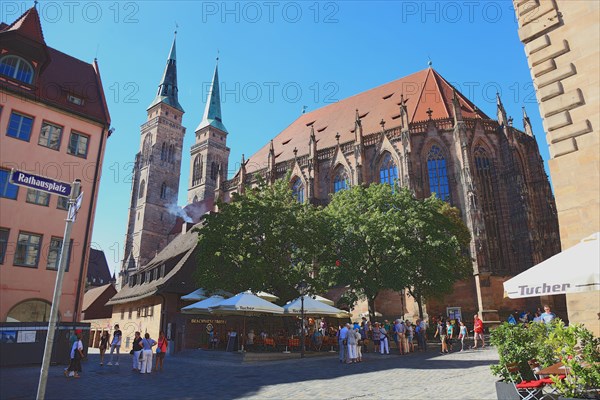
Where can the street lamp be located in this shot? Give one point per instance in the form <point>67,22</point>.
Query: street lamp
<point>302,288</point>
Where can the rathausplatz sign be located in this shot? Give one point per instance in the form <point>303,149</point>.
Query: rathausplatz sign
<point>40,183</point>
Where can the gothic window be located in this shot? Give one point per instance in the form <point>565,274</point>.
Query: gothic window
<point>438,173</point>
<point>388,171</point>
<point>171,155</point>
<point>16,68</point>
<point>484,170</point>
<point>197,171</point>
<point>340,181</point>
<point>147,150</point>
<point>195,199</point>
<point>142,189</point>
<point>298,189</point>
<point>164,191</point>
<point>163,152</point>
<point>214,170</point>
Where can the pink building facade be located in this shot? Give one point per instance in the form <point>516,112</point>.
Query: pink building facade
<point>54,122</point>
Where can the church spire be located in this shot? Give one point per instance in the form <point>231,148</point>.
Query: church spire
<point>212,112</point>
<point>527,123</point>
<point>167,88</point>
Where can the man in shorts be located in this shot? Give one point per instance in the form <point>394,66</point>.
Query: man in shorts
<point>115,344</point>
<point>478,331</point>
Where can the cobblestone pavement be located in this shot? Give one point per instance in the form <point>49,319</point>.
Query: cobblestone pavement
<point>202,374</point>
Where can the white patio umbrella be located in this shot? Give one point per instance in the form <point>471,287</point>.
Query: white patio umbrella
<point>323,300</point>
<point>574,270</point>
<point>245,304</point>
<point>202,307</point>
<point>196,295</point>
<point>313,307</point>
<point>266,296</point>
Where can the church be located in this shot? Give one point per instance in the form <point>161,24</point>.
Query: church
<point>418,131</point>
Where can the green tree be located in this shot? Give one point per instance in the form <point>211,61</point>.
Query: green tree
<point>439,250</point>
<point>261,240</point>
<point>370,248</point>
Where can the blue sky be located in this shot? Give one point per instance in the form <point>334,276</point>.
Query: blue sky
<point>275,58</point>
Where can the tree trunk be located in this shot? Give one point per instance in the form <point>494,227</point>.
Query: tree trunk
<point>371,305</point>
<point>419,300</point>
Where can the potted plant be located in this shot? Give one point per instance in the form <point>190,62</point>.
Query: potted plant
<point>518,343</point>
<point>579,351</point>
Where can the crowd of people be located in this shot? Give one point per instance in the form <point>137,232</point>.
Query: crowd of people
<point>526,317</point>
<point>141,351</point>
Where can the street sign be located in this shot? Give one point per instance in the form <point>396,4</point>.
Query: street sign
<point>40,183</point>
<point>73,210</point>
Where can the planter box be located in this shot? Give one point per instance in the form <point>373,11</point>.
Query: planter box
<point>506,391</point>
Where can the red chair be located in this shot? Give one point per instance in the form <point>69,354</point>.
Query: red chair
<point>294,343</point>
<point>526,389</point>
<point>548,382</point>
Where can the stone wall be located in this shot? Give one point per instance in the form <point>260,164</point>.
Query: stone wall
<point>562,44</point>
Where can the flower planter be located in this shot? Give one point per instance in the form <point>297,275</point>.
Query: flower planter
<point>506,391</point>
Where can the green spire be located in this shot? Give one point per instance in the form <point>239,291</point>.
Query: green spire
<point>167,89</point>
<point>212,112</point>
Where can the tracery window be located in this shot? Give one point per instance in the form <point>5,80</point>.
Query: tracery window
<point>340,181</point>
<point>164,191</point>
<point>438,173</point>
<point>197,170</point>
<point>298,189</point>
<point>388,171</point>
<point>142,189</point>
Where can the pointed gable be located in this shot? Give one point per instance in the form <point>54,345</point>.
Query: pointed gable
<point>28,25</point>
<point>421,91</point>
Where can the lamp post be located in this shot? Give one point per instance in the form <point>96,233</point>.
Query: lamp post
<point>302,287</point>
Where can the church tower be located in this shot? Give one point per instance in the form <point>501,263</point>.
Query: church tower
<point>156,172</point>
<point>209,154</point>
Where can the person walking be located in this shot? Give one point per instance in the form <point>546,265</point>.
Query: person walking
<point>147,345</point>
<point>161,350</point>
<point>343,342</point>
<point>136,351</point>
<point>478,331</point>
<point>352,344</point>
<point>115,345</point>
<point>449,335</point>
<point>103,345</point>
<point>440,331</point>
<point>359,344</point>
<point>76,356</point>
<point>462,334</point>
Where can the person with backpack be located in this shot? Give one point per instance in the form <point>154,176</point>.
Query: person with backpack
<point>161,350</point>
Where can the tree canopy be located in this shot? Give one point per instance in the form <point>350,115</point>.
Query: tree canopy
<point>261,240</point>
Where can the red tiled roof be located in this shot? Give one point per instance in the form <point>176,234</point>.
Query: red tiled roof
<point>28,25</point>
<point>61,75</point>
<point>422,90</point>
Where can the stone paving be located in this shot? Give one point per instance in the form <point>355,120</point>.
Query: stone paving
<point>199,374</point>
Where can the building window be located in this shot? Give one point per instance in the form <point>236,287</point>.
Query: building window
<point>340,182</point>
<point>147,150</point>
<point>150,311</point>
<point>19,126</point>
<point>50,136</point>
<point>75,100</point>
<point>62,203</point>
<point>197,171</point>
<point>155,273</point>
<point>388,172</point>
<point>130,313</point>
<point>162,271</point>
<point>3,243</point>
<point>16,68</point>
<point>28,249</point>
<point>139,311</point>
<point>78,144</point>
<point>7,189</point>
<point>163,152</point>
<point>54,254</point>
<point>164,191</point>
<point>214,170</point>
<point>438,174</point>
<point>38,197</point>
<point>30,311</point>
<point>171,154</point>
<point>148,276</point>
<point>142,188</point>
<point>122,314</point>
<point>298,190</point>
